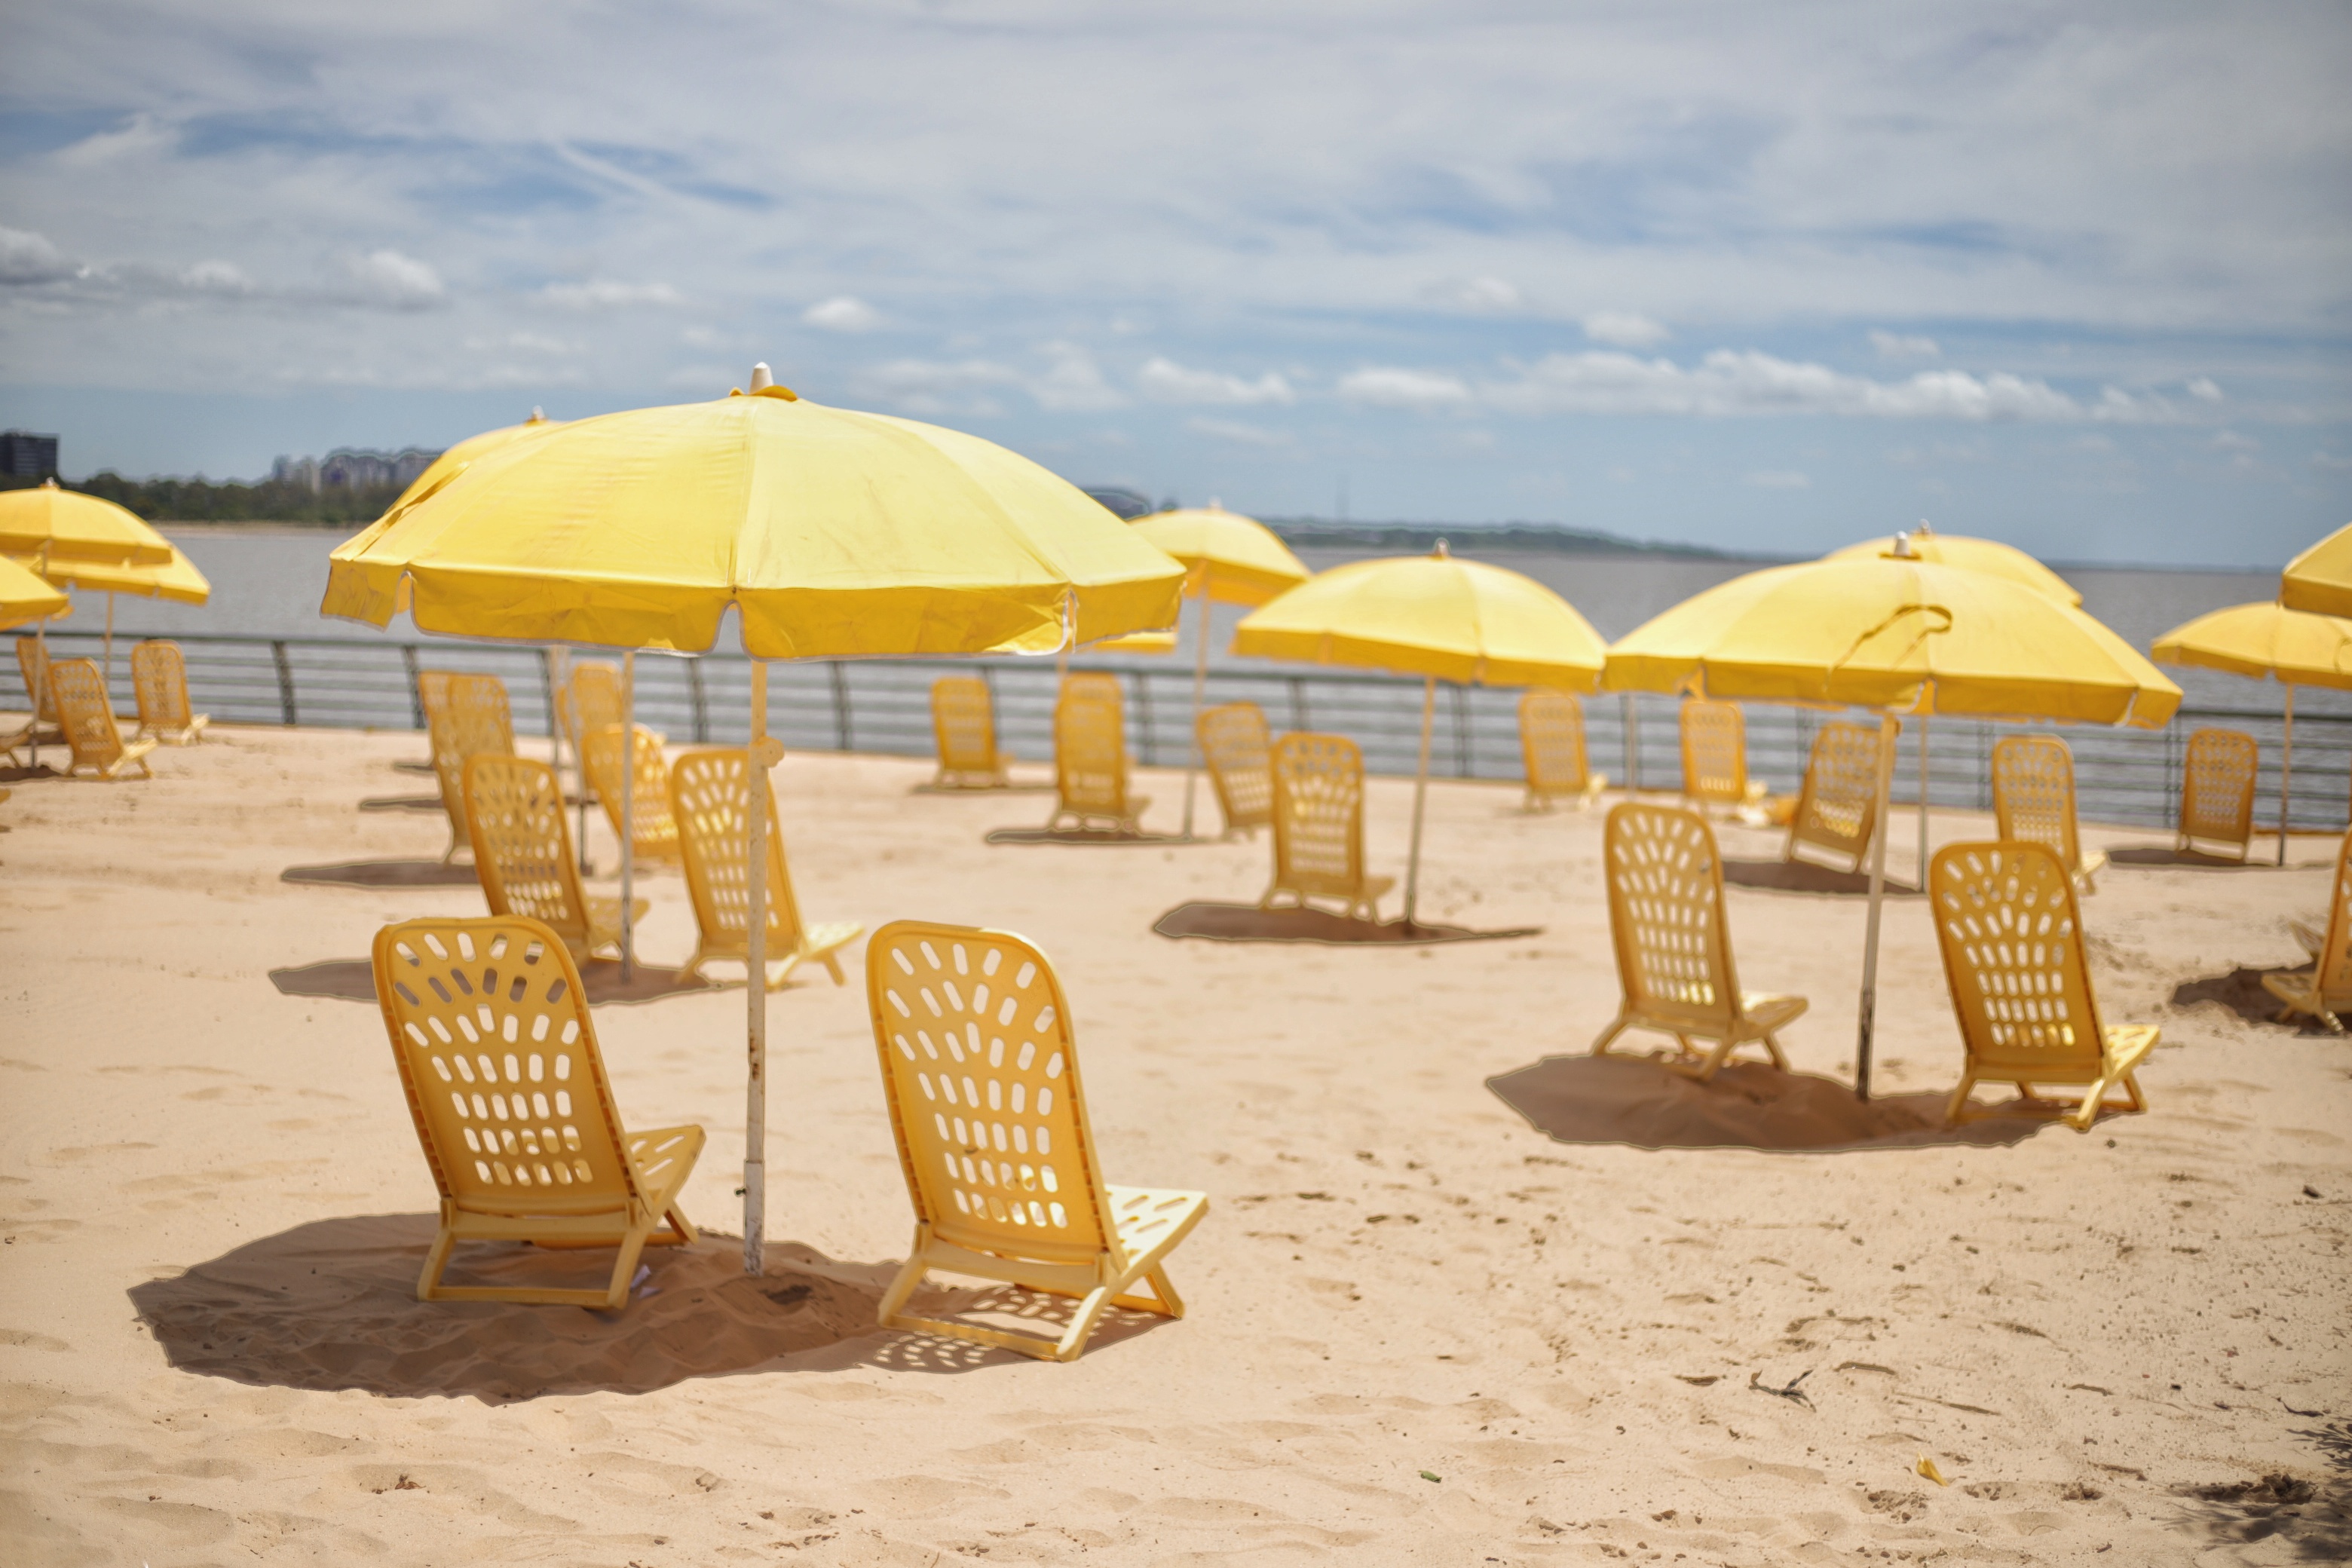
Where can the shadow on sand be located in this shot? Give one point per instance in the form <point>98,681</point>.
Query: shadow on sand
<point>1804,876</point>
<point>353,980</point>
<point>1082,836</point>
<point>332,1305</point>
<point>28,774</point>
<point>401,803</point>
<point>2191,859</point>
<point>1637,1101</point>
<point>384,874</point>
<point>1247,922</point>
<point>2240,991</point>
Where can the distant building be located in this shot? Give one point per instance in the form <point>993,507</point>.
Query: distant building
<point>300,472</point>
<point>353,469</point>
<point>25,456</point>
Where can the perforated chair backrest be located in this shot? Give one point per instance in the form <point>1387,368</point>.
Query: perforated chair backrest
<point>591,699</point>
<point>981,1070</point>
<point>1318,813</point>
<point>2033,793</point>
<point>652,822</point>
<point>1236,744</point>
<point>498,1059</point>
<point>522,848</point>
<point>1839,805</point>
<point>84,713</point>
<point>2012,945</point>
<point>1090,746</point>
<point>1665,915</point>
<point>2217,785</point>
<point>1714,752</point>
<point>1551,740</point>
<point>963,722</point>
<point>708,793</point>
<point>159,674</point>
<point>468,719</point>
<point>29,658</point>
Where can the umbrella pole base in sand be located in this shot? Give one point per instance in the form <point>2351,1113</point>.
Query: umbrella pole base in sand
<point>1888,727</point>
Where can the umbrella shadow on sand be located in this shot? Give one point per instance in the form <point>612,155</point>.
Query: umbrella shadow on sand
<point>1638,1100</point>
<point>1082,836</point>
<point>1247,922</point>
<point>384,874</point>
<point>353,980</point>
<point>1805,877</point>
<point>2194,859</point>
<point>331,1305</point>
<point>2240,991</point>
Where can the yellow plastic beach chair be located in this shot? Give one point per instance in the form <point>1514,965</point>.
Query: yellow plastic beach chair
<point>159,674</point>
<point>1090,760</point>
<point>963,722</point>
<point>707,792</point>
<point>31,664</point>
<point>2325,990</point>
<point>1235,743</point>
<point>1551,739</point>
<point>1838,807</point>
<point>1319,825</point>
<point>88,720</point>
<point>980,1067</point>
<point>466,716</point>
<point>497,1057</point>
<point>592,699</point>
<point>1667,921</point>
<point>656,829</point>
<point>2217,790</point>
<point>1714,759</point>
<point>2034,802</point>
<point>2012,943</point>
<point>522,853</point>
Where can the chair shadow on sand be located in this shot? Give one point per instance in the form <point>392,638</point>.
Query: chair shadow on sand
<point>2240,991</point>
<point>1088,836</point>
<point>2187,859</point>
<point>385,874</point>
<point>353,980</point>
<point>1248,922</point>
<point>1638,1100</point>
<point>1805,877</point>
<point>331,1305</point>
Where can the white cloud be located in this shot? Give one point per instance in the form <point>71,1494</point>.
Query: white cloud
<point>1899,345</point>
<point>2230,441</point>
<point>1624,329</point>
<point>1738,381</point>
<point>388,278</point>
<point>222,279</point>
<point>842,314</point>
<point>1486,295</point>
<point>29,257</point>
<point>936,386</point>
<point>2203,388</point>
<point>1165,381</point>
<point>604,294</point>
<point>1779,480</point>
<point>1073,383</point>
<point>1392,387</point>
<point>1238,434</point>
<point>2331,462</point>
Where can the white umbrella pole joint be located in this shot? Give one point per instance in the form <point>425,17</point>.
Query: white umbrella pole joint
<point>1888,728</point>
<point>1922,878</point>
<point>2286,770</point>
<point>765,751</point>
<point>1420,794</point>
<point>628,814</point>
<point>1200,689</point>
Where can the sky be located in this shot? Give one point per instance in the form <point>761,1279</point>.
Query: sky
<point>1768,277</point>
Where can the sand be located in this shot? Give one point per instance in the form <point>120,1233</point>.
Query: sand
<point>1422,1330</point>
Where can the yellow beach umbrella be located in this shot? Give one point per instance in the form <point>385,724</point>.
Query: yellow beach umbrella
<point>53,524</point>
<point>24,596</point>
<point>2291,647</point>
<point>176,580</point>
<point>1229,559</point>
<point>2319,581</point>
<point>450,463</point>
<point>830,534</point>
<point>1436,617</point>
<point>1900,635</point>
<point>1924,543</point>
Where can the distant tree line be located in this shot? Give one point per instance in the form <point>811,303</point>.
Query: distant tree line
<point>203,500</point>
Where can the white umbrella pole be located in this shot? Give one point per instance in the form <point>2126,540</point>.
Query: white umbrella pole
<point>1199,686</point>
<point>755,975</point>
<point>1923,802</point>
<point>2286,772</point>
<point>1419,794</point>
<point>1887,728</point>
<point>109,666</point>
<point>629,813</point>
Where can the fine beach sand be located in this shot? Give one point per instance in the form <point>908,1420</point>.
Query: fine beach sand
<point>1421,1331</point>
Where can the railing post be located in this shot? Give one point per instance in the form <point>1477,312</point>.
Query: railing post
<point>285,681</point>
<point>1632,744</point>
<point>1460,730</point>
<point>700,702</point>
<point>415,698</point>
<point>547,694</point>
<point>1143,717</point>
<point>840,706</point>
<point>1298,702</point>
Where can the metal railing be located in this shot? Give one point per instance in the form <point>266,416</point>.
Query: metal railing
<point>2128,776</point>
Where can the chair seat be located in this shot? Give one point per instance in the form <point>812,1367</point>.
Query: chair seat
<point>1770,1011</point>
<point>603,913</point>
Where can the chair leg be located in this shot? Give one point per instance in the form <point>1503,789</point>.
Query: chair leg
<point>910,1274</point>
<point>833,967</point>
<point>1779,1059</point>
<point>1600,1046</point>
<point>633,1245</point>
<point>1959,1100</point>
<point>1082,1327</point>
<point>428,1282</point>
<point>1163,1298</point>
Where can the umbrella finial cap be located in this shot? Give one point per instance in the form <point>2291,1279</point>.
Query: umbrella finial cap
<point>1442,552</point>
<point>537,416</point>
<point>1903,551</point>
<point>761,376</point>
<point>50,483</point>
<point>1923,528</point>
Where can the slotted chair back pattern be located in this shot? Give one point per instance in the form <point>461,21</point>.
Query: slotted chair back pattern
<point>29,658</point>
<point>499,1058</point>
<point>592,699</point>
<point>1235,743</point>
<point>2033,793</point>
<point>963,721</point>
<point>1839,805</point>
<point>656,830</point>
<point>1090,747</point>
<point>982,1074</point>
<point>159,674</point>
<point>1665,916</point>
<point>1714,752</point>
<point>522,848</point>
<point>88,719</point>
<point>1318,816</point>
<point>470,719</point>
<point>710,790</point>
<point>1551,739</point>
<point>2217,787</point>
<point>2011,939</point>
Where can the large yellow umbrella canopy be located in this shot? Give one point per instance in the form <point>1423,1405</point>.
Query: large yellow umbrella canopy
<point>176,580</point>
<point>834,534</point>
<point>1437,617</point>
<point>1976,554</point>
<point>57,524</point>
<point>2291,646</point>
<point>470,450</point>
<point>26,596</point>
<point>2319,581</point>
